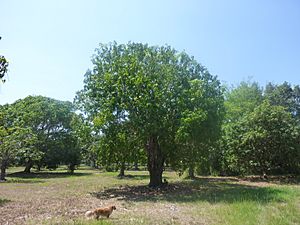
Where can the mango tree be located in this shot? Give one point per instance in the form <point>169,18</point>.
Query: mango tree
<point>14,140</point>
<point>144,86</point>
<point>266,141</point>
<point>50,120</point>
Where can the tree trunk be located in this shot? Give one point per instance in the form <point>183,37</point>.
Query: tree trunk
<point>122,170</point>
<point>39,167</point>
<point>71,168</point>
<point>191,172</point>
<point>94,164</point>
<point>28,166</point>
<point>136,165</point>
<point>3,170</point>
<point>155,162</point>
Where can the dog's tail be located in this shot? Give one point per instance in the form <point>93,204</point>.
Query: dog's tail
<point>89,214</point>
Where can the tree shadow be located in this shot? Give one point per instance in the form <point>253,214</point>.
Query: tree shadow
<point>24,181</point>
<point>134,177</point>
<point>204,180</point>
<point>278,179</point>
<point>201,189</point>
<point>137,177</point>
<point>45,175</point>
<point>4,201</point>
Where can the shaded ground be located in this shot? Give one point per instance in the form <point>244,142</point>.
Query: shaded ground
<point>289,179</point>
<point>3,201</point>
<point>62,198</point>
<point>45,175</point>
<point>192,192</point>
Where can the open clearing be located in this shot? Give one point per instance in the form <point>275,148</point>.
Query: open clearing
<point>60,198</point>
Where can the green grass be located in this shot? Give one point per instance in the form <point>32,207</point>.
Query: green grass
<point>62,198</point>
<point>283,208</point>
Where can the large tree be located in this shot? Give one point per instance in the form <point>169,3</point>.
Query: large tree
<point>145,87</point>
<point>50,120</point>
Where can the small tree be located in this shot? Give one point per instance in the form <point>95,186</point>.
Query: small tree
<point>3,67</point>
<point>14,141</point>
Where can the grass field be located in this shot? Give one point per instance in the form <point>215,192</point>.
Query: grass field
<point>59,198</point>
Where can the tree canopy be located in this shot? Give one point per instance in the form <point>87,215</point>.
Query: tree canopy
<point>261,130</point>
<point>47,126</point>
<point>146,87</point>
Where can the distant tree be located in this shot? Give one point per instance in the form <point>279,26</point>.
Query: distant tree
<point>143,86</point>
<point>284,95</point>
<point>71,151</point>
<point>14,140</point>
<point>119,146</point>
<point>86,138</point>
<point>50,120</point>
<point>200,123</point>
<point>239,102</point>
<point>297,101</point>
<point>266,140</point>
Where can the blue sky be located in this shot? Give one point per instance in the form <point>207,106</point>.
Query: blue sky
<point>49,43</point>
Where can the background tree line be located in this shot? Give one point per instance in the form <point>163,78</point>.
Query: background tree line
<point>155,106</point>
<point>38,131</point>
<point>261,129</point>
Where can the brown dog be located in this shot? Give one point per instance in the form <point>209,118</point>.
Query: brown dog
<point>100,212</point>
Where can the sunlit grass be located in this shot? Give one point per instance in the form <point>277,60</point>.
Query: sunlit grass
<point>281,209</point>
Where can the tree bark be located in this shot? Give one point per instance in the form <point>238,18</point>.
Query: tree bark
<point>191,172</point>
<point>39,167</point>
<point>122,170</point>
<point>94,163</point>
<point>136,165</point>
<point>155,162</point>
<point>28,166</point>
<point>71,168</point>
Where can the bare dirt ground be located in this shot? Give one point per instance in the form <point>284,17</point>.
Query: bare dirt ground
<point>33,205</point>
<point>62,199</point>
